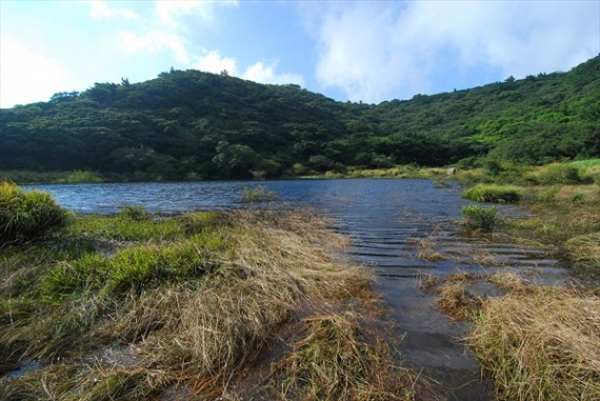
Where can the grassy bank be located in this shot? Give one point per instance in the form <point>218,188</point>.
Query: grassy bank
<point>205,305</point>
<point>535,342</point>
<point>538,342</point>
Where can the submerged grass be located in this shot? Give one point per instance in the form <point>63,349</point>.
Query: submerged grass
<point>196,300</point>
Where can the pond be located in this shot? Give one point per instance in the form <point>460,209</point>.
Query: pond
<point>394,225</point>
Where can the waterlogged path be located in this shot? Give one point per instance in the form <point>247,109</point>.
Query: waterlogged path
<point>400,227</point>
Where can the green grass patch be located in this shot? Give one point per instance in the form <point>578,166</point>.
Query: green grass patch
<point>479,218</point>
<point>493,193</point>
<point>142,226</point>
<point>133,270</point>
<point>134,212</point>
<point>27,215</point>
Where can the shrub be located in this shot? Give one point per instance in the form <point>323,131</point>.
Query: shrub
<point>493,193</point>
<point>476,217</point>
<point>25,216</point>
<point>258,195</point>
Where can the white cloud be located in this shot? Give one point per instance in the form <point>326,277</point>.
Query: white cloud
<point>215,63</point>
<point>154,42</point>
<point>100,10</point>
<point>26,76</point>
<point>381,50</point>
<point>259,72</point>
<point>169,11</point>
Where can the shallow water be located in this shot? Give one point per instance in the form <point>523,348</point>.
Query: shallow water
<point>391,222</point>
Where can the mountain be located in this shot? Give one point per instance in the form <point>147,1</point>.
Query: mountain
<point>196,125</point>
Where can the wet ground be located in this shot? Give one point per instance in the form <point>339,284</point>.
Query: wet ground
<point>405,250</point>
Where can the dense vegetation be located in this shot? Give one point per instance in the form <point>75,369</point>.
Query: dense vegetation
<point>196,125</point>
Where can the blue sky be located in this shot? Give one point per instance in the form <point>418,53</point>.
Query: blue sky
<point>367,51</point>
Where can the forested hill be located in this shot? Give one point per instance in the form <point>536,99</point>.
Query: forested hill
<point>195,125</point>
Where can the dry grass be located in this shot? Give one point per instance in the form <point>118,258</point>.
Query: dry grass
<point>585,249</point>
<point>200,331</point>
<point>536,342</point>
<point>453,294</point>
<point>363,369</point>
<point>541,346</point>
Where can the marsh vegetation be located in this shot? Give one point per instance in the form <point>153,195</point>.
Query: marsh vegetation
<point>203,305</point>
<point>263,303</point>
<point>539,342</point>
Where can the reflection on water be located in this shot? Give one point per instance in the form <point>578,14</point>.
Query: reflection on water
<point>389,221</point>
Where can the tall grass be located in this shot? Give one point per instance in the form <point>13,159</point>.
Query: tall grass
<point>480,218</point>
<point>493,193</point>
<point>25,216</point>
<point>362,370</point>
<point>568,226</point>
<point>79,176</point>
<point>536,342</point>
<point>585,163</point>
<point>558,174</point>
<point>543,347</point>
<point>196,305</point>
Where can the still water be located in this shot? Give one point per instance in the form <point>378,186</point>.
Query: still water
<point>392,223</point>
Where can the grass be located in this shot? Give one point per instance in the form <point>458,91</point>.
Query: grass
<point>539,342</point>
<point>535,342</point>
<point>258,194</point>
<point>568,222</point>
<point>79,176</point>
<point>541,346</point>
<point>477,218</point>
<point>559,174</point>
<point>493,193</point>
<point>362,371</point>
<point>585,163</point>
<point>134,212</point>
<point>192,303</point>
<point>455,300</point>
<point>25,216</point>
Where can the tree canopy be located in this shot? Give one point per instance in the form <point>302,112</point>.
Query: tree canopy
<point>197,125</point>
